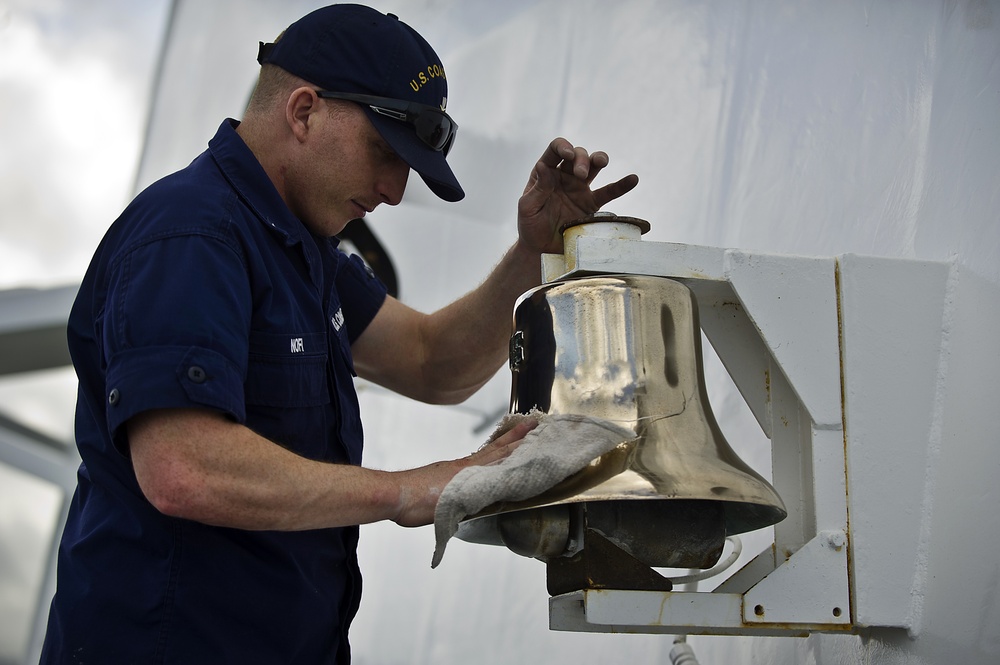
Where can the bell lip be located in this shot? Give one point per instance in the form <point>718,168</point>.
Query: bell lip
<point>740,516</point>
<point>611,477</point>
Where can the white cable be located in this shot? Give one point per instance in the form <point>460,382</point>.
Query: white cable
<point>717,568</point>
<point>683,654</point>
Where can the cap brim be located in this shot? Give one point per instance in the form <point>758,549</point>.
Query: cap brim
<point>429,163</point>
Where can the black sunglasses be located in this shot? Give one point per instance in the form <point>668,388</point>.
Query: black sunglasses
<point>432,125</point>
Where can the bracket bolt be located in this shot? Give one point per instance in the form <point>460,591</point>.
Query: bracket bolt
<point>836,539</point>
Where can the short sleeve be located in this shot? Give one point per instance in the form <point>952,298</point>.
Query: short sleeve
<point>176,329</point>
<point>362,294</point>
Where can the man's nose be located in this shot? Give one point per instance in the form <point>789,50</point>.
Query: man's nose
<point>393,183</point>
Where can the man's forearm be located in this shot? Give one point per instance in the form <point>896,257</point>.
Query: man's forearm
<point>471,335</point>
<point>198,465</point>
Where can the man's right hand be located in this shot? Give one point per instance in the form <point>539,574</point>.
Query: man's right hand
<point>421,488</point>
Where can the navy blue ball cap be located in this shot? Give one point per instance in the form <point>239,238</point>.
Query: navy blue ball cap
<point>358,50</point>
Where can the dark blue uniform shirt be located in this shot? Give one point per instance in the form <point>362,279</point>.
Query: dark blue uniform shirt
<point>207,292</point>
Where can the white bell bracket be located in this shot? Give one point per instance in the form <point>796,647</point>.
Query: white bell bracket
<point>821,349</point>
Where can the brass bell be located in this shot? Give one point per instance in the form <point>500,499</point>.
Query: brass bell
<point>626,348</point>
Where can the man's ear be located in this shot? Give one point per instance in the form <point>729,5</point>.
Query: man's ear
<point>301,104</point>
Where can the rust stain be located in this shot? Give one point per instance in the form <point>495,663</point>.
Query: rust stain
<point>838,287</point>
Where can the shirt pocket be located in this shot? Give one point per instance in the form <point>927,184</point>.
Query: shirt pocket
<point>287,370</point>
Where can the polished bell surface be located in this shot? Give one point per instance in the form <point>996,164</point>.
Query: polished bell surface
<point>626,348</point>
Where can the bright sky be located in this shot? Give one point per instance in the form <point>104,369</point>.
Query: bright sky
<point>74,82</point>
<point>74,79</point>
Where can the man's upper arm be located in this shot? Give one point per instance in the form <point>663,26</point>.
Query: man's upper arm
<point>175,330</point>
<point>391,351</point>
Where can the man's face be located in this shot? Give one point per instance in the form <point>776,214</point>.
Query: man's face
<point>344,170</point>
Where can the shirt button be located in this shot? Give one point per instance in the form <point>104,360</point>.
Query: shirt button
<point>114,397</point>
<point>196,374</point>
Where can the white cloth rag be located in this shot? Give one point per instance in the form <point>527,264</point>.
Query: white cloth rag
<point>558,447</point>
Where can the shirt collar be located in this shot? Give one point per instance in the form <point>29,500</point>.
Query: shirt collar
<point>243,171</point>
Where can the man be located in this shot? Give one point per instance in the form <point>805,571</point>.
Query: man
<point>216,336</point>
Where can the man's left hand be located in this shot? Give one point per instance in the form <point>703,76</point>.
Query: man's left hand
<point>558,192</point>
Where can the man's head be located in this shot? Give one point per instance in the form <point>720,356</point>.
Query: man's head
<point>357,54</point>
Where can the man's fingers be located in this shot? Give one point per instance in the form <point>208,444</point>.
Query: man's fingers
<point>597,162</point>
<point>558,150</point>
<point>515,433</point>
<point>580,165</point>
<point>504,444</point>
<point>615,189</point>
<point>573,160</point>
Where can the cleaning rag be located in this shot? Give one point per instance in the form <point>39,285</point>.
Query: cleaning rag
<point>558,447</point>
